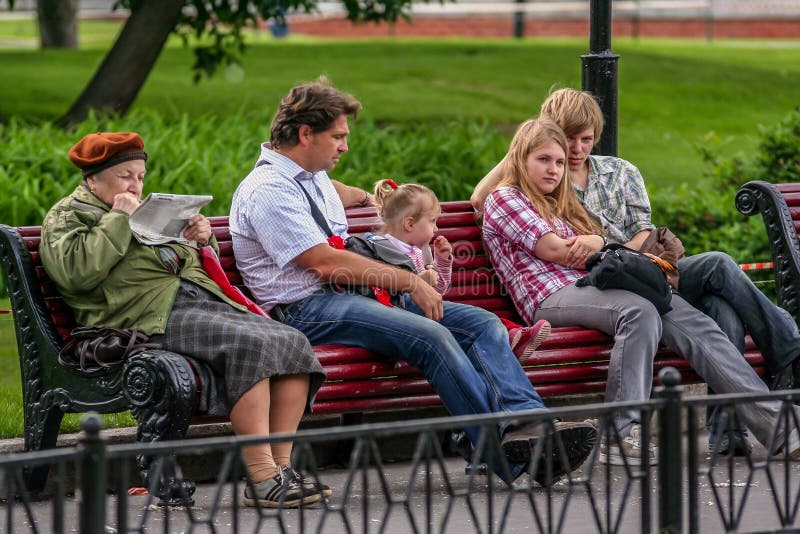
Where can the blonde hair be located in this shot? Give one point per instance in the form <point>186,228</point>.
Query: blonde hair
<point>393,202</point>
<point>562,201</point>
<point>574,111</point>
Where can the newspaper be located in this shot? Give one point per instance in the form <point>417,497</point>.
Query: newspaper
<point>161,218</point>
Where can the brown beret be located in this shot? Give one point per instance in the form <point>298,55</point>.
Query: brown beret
<point>99,151</point>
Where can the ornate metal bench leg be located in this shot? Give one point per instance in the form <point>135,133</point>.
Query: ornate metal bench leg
<point>161,389</point>
<point>42,422</point>
<point>171,488</point>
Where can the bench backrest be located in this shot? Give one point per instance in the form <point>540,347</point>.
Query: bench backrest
<point>474,281</point>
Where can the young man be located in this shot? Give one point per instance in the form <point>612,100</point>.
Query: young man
<point>612,190</point>
<point>290,268</point>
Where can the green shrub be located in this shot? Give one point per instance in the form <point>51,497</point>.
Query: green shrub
<point>212,155</point>
<point>703,213</point>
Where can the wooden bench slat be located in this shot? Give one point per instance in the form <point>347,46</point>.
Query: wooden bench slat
<point>788,188</point>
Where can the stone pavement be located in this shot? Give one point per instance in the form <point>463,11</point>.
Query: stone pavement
<point>397,503</point>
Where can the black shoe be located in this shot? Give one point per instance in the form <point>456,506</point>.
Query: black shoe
<point>784,379</point>
<point>578,440</point>
<point>281,491</point>
<point>463,446</point>
<point>741,445</point>
<point>796,374</point>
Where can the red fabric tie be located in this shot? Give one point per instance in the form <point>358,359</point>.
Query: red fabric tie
<point>381,295</point>
<point>213,267</point>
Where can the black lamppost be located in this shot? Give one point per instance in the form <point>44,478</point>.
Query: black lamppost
<point>600,73</point>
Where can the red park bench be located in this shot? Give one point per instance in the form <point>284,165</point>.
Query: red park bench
<point>161,389</point>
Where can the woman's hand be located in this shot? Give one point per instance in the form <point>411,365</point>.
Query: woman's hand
<point>583,247</point>
<point>127,202</point>
<point>198,229</point>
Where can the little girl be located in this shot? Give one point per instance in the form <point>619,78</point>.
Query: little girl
<point>409,213</point>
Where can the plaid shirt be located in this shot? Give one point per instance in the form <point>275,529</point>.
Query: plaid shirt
<point>616,197</point>
<point>511,229</point>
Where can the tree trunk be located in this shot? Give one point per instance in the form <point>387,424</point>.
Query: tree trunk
<point>58,23</point>
<point>125,68</point>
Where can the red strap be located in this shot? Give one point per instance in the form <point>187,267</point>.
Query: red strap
<point>381,295</point>
<point>214,269</point>
<point>336,242</point>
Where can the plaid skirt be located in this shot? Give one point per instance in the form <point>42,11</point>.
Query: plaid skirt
<point>241,348</point>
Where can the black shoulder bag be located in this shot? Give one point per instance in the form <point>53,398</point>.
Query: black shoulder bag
<point>619,267</point>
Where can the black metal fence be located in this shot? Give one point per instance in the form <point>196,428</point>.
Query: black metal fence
<point>691,489</point>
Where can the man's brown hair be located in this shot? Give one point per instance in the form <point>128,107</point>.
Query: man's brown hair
<point>317,105</point>
<point>575,111</point>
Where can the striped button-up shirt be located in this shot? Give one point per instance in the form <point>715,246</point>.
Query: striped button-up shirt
<point>271,224</point>
<point>511,229</point>
<point>617,198</point>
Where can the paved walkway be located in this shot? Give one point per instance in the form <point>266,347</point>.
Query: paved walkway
<point>392,504</point>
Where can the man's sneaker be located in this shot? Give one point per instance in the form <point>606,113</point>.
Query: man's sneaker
<point>526,339</point>
<point>281,491</point>
<point>310,484</point>
<point>578,440</point>
<point>630,450</point>
<point>794,445</point>
<point>741,445</point>
<point>783,379</point>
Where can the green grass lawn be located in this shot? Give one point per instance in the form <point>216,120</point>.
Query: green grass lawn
<point>10,392</point>
<point>674,94</point>
<point>11,423</point>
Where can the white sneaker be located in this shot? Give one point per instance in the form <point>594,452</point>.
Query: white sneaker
<point>794,445</point>
<point>630,452</point>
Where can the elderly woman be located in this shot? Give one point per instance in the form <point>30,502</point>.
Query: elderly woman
<point>108,278</point>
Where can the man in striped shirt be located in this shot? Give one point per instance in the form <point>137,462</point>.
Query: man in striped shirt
<point>285,259</point>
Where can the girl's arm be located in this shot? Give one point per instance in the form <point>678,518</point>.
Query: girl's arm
<point>571,252</point>
<point>443,263</point>
<point>510,214</point>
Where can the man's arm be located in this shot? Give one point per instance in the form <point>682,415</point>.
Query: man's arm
<point>636,241</point>
<point>487,184</point>
<point>345,267</point>
<point>352,197</point>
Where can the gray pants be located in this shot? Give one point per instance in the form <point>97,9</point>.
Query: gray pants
<point>637,328</point>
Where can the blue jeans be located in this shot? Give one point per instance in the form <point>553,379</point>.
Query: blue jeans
<point>465,357</point>
<point>715,276</point>
<point>715,284</point>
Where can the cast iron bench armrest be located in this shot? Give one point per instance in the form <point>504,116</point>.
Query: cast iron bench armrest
<point>779,206</point>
